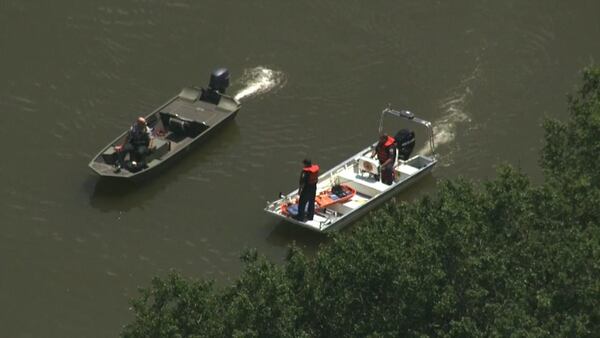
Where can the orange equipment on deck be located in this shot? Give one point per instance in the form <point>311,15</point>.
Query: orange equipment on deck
<point>324,199</point>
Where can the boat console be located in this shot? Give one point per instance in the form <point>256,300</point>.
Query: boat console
<point>369,165</point>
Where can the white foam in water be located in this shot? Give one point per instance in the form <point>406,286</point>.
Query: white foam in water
<point>259,80</point>
<point>453,107</point>
<point>444,129</point>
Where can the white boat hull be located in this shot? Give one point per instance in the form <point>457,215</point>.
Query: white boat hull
<point>358,173</point>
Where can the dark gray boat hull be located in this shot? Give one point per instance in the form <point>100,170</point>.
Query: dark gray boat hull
<point>179,125</point>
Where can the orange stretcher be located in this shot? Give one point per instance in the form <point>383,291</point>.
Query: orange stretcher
<point>326,198</point>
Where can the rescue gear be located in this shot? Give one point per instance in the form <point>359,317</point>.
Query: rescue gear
<point>313,173</point>
<point>383,149</point>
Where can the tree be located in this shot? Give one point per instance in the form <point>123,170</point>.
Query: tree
<point>496,259</point>
<point>570,157</point>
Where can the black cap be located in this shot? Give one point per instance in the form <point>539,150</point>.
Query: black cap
<point>307,162</point>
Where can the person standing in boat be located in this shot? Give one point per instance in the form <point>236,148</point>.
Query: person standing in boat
<point>137,144</point>
<point>307,190</point>
<point>386,154</point>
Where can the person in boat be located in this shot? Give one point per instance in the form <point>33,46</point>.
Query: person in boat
<point>137,144</point>
<point>307,190</point>
<point>386,154</point>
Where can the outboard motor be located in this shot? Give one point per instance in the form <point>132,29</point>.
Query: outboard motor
<point>405,141</point>
<point>219,81</point>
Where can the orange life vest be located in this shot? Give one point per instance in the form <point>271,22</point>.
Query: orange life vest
<point>382,150</point>
<point>313,173</point>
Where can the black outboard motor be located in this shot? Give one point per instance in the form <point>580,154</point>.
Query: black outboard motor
<point>219,81</point>
<point>405,141</point>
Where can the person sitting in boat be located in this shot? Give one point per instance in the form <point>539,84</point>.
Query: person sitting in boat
<point>137,145</point>
<point>386,154</point>
<point>307,190</point>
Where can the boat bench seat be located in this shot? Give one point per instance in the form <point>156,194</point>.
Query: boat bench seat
<point>356,202</point>
<point>110,156</point>
<point>404,171</point>
<point>161,147</point>
<point>363,184</point>
<point>186,128</point>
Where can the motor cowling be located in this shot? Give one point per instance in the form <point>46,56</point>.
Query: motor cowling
<point>405,143</point>
<point>219,80</point>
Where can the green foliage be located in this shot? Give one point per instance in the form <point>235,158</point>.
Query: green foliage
<point>261,303</point>
<point>503,258</point>
<point>175,307</point>
<point>572,152</point>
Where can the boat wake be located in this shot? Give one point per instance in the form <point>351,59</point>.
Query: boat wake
<point>259,80</point>
<point>454,108</point>
<point>444,129</point>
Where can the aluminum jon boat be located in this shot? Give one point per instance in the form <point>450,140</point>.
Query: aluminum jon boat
<point>360,172</point>
<point>180,123</point>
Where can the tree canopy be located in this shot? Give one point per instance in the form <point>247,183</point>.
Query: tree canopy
<point>495,259</point>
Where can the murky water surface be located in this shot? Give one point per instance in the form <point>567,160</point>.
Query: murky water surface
<point>313,77</point>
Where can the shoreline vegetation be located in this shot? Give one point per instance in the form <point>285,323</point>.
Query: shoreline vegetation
<point>501,258</point>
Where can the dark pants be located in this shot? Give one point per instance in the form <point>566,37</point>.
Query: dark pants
<point>136,153</point>
<point>387,174</point>
<point>307,196</point>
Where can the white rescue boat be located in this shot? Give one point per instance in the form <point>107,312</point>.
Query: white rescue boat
<point>353,187</point>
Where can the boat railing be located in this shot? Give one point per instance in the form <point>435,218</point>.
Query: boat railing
<point>408,115</point>
<point>330,216</point>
